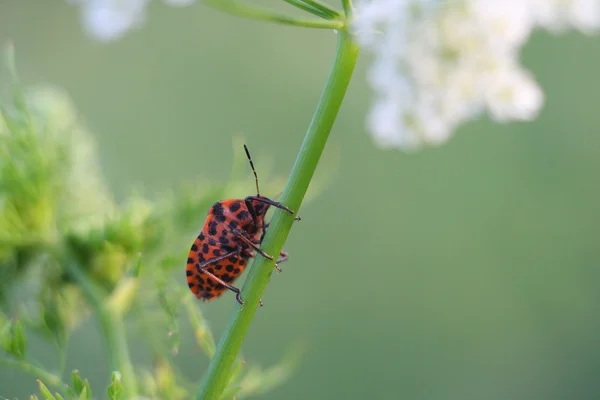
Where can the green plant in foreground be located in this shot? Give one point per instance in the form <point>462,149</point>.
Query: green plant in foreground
<point>66,242</point>
<point>69,252</point>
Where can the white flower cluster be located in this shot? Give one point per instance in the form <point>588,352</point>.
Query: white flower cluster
<point>438,64</point>
<point>109,20</point>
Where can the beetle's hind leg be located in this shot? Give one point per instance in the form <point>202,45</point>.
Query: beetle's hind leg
<point>201,268</point>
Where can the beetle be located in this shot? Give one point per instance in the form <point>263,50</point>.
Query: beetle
<point>233,232</point>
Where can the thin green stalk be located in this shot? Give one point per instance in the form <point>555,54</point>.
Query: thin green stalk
<point>347,5</point>
<point>323,7</point>
<point>37,372</point>
<point>217,376</point>
<point>252,12</point>
<point>112,325</point>
<point>318,11</point>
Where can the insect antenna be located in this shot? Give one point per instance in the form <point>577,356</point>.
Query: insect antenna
<point>253,170</point>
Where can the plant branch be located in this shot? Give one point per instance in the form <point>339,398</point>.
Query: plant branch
<point>252,12</point>
<point>314,8</point>
<point>112,325</point>
<point>218,373</point>
<point>37,372</point>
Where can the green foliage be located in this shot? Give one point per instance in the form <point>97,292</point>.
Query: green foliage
<point>81,387</point>
<point>12,335</point>
<point>45,392</point>
<point>78,254</point>
<point>115,390</point>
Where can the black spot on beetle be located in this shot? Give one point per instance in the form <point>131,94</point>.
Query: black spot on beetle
<point>243,215</point>
<point>212,228</point>
<point>217,209</point>
<point>235,206</point>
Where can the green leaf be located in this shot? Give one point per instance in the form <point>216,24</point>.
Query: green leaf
<point>84,394</point>
<point>45,392</point>
<point>58,396</point>
<point>115,390</point>
<point>88,390</point>
<point>308,8</point>
<point>81,387</point>
<point>6,336</point>
<point>323,7</point>
<point>314,7</point>
<point>71,393</point>
<point>52,320</point>
<point>19,340</point>
<point>77,382</point>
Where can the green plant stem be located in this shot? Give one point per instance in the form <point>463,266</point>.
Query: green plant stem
<point>112,325</point>
<point>347,5</point>
<point>37,372</point>
<point>217,376</point>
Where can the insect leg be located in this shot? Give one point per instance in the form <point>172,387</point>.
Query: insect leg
<point>268,201</point>
<point>244,239</point>
<point>283,258</point>
<point>200,267</point>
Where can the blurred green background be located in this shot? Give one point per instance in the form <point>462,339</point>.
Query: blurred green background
<point>468,271</point>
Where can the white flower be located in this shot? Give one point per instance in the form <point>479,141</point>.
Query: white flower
<point>109,20</point>
<point>178,3</point>
<point>512,94</point>
<point>559,15</point>
<point>437,64</point>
